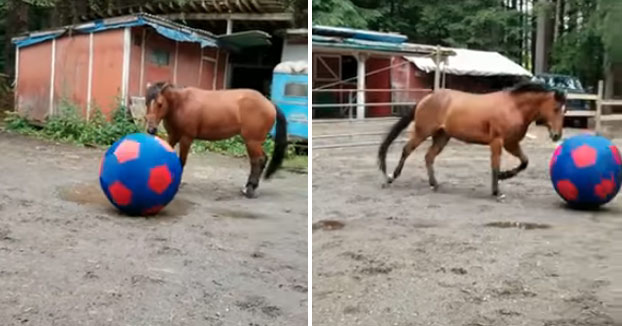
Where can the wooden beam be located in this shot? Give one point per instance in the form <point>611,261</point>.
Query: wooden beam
<point>149,7</point>
<point>204,5</point>
<point>215,4</point>
<point>247,5</point>
<point>193,5</point>
<point>283,16</point>
<point>257,6</point>
<point>238,4</point>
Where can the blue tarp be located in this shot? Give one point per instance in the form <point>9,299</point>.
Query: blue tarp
<point>36,39</point>
<point>359,34</point>
<point>170,33</point>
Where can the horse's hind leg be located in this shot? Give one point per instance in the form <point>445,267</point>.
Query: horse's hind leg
<point>517,151</point>
<point>409,147</point>
<point>439,141</point>
<point>258,161</point>
<point>496,147</point>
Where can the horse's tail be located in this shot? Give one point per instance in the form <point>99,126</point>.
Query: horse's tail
<point>280,144</point>
<point>395,131</point>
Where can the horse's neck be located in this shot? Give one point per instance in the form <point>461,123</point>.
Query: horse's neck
<point>172,96</point>
<point>529,106</point>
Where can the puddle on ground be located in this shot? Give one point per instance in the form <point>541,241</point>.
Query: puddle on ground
<point>91,194</point>
<point>328,225</point>
<point>230,213</point>
<point>518,225</point>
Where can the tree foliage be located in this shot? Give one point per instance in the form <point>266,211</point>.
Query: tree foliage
<point>585,30</point>
<point>478,24</point>
<point>17,16</point>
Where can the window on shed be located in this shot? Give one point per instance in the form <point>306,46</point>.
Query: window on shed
<point>296,89</point>
<point>160,57</point>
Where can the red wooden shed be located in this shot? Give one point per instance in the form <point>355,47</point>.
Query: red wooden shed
<point>106,62</point>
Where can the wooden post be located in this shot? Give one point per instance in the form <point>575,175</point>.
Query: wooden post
<point>599,107</point>
<point>437,72</point>
<point>229,26</point>
<point>360,92</point>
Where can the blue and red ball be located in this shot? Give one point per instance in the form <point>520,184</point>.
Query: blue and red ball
<point>140,174</point>
<point>586,170</point>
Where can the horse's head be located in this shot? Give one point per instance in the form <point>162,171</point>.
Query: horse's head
<point>157,105</point>
<point>552,112</point>
<point>548,106</point>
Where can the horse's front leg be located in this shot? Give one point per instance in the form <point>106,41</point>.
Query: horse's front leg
<point>184,148</point>
<point>515,150</point>
<point>173,139</point>
<point>496,147</point>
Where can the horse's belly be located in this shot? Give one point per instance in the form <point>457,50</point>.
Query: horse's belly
<point>475,132</point>
<point>218,133</point>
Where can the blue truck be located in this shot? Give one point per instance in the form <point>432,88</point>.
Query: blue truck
<point>289,93</point>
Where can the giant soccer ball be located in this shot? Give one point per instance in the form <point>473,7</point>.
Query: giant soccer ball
<point>586,170</point>
<point>140,174</point>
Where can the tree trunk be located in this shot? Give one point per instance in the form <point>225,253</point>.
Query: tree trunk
<point>558,20</point>
<point>16,23</point>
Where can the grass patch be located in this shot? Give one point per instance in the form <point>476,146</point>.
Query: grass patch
<point>69,126</point>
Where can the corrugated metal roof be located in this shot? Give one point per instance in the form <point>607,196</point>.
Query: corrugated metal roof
<point>349,39</point>
<point>329,42</point>
<point>164,27</point>
<point>359,34</point>
<point>473,63</point>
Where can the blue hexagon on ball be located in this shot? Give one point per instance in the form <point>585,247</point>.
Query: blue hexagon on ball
<point>586,170</point>
<point>140,174</point>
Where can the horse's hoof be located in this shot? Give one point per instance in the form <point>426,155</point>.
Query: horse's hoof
<point>248,192</point>
<point>500,198</point>
<point>388,181</point>
<point>434,187</point>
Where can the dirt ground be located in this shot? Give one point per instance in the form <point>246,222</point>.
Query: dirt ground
<point>211,258</point>
<point>406,256</point>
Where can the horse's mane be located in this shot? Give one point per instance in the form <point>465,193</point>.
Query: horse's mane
<point>154,90</point>
<point>535,87</point>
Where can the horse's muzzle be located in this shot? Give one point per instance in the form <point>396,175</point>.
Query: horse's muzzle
<point>555,136</point>
<point>152,131</point>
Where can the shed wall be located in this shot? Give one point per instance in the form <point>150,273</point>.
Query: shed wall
<point>107,69</point>
<point>71,71</point>
<point>33,81</point>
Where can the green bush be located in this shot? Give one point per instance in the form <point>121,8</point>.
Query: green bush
<point>69,126</point>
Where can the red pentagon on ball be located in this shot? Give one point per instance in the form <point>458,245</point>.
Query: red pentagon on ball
<point>616,154</point>
<point>567,189</point>
<point>605,187</point>
<point>159,179</point>
<point>165,144</point>
<point>121,195</point>
<point>557,152</point>
<point>153,210</point>
<point>126,151</point>
<point>584,156</point>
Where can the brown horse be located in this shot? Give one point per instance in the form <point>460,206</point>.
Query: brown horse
<point>499,120</point>
<point>190,113</point>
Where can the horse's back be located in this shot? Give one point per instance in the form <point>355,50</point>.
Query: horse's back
<point>463,115</point>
